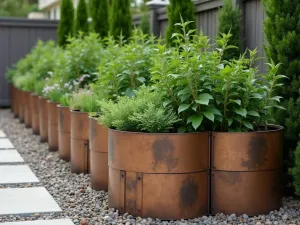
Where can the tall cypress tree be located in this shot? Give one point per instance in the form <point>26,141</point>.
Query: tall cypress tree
<point>282,30</point>
<point>185,8</point>
<point>121,18</point>
<point>100,15</point>
<point>66,24</point>
<point>81,23</point>
<point>229,21</point>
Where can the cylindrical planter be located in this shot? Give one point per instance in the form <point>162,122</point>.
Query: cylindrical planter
<point>35,114</point>
<point>52,125</point>
<point>15,99</point>
<point>21,108</point>
<point>247,172</point>
<point>80,155</point>
<point>64,132</point>
<point>43,119</point>
<point>27,109</point>
<point>98,155</point>
<point>163,176</point>
<point>12,97</point>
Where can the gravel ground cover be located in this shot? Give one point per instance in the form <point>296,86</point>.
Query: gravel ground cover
<point>88,207</point>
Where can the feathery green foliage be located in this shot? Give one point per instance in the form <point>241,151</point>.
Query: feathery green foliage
<point>81,23</point>
<point>66,23</point>
<point>85,101</point>
<point>295,171</point>
<point>100,15</point>
<point>145,23</point>
<point>229,22</point>
<point>121,22</point>
<point>176,10</point>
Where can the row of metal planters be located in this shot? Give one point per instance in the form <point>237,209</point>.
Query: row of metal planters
<point>165,176</point>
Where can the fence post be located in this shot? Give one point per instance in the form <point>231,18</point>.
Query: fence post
<point>154,22</point>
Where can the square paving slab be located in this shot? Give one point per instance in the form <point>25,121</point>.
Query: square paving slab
<point>26,201</point>
<point>16,174</point>
<point>5,143</point>
<point>2,134</point>
<point>10,156</point>
<point>42,222</point>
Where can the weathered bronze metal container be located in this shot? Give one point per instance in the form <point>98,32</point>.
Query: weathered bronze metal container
<point>163,176</point>
<point>21,105</point>
<point>246,175</point>
<point>27,111</point>
<point>35,114</point>
<point>80,155</point>
<point>52,125</point>
<point>64,132</point>
<point>43,118</point>
<point>98,155</point>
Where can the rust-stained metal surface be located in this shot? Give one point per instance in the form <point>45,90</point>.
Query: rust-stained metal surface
<point>251,193</point>
<point>247,172</point>
<point>161,153</point>
<point>64,132</point>
<point>43,118</point>
<point>80,155</point>
<point>27,109</point>
<point>52,125</point>
<point>21,106</point>
<point>98,155</point>
<point>35,114</point>
<point>163,176</point>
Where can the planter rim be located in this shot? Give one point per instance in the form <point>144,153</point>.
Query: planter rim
<point>49,101</point>
<point>276,129</point>
<point>60,106</point>
<point>34,94</point>
<point>42,97</point>
<point>78,111</point>
<point>157,134</point>
<point>93,117</point>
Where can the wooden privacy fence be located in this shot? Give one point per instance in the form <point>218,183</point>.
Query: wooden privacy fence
<point>17,37</point>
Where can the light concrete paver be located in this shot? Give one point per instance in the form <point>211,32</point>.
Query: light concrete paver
<point>2,134</point>
<point>10,156</point>
<point>26,201</point>
<point>42,222</point>
<point>5,143</point>
<point>16,174</point>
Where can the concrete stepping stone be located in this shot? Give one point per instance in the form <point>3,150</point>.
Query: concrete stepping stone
<point>2,134</point>
<point>26,201</point>
<point>5,143</point>
<point>16,174</point>
<point>42,222</point>
<point>10,156</point>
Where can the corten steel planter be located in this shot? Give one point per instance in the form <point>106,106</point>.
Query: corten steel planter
<point>163,176</point>
<point>80,155</point>
<point>43,118</point>
<point>21,108</point>
<point>27,109</point>
<point>64,132</point>
<point>52,125</point>
<point>98,155</point>
<point>35,114</point>
<point>247,172</point>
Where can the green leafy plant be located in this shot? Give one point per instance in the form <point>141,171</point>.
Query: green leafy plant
<point>85,101</point>
<point>81,23</point>
<point>100,15</point>
<point>66,23</point>
<point>295,171</point>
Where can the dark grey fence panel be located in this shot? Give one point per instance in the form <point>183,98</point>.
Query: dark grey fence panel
<point>17,37</point>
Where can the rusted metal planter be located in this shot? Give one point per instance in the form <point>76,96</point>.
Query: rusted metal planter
<point>43,118</point>
<point>163,176</point>
<point>27,109</point>
<point>52,125</point>
<point>80,155</point>
<point>21,107</point>
<point>98,155</point>
<point>247,172</point>
<point>35,114</point>
<point>15,98</point>
<point>64,132</point>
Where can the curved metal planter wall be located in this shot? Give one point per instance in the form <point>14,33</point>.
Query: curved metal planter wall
<point>64,132</point>
<point>80,158</point>
<point>35,114</point>
<point>98,155</point>
<point>159,175</point>
<point>52,125</point>
<point>246,172</point>
<point>27,109</point>
<point>43,118</point>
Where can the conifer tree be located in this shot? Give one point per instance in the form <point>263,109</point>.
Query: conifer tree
<point>100,15</point>
<point>81,23</point>
<point>121,18</point>
<point>282,30</point>
<point>66,23</point>
<point>177,8</point>
<point>229,18</point>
